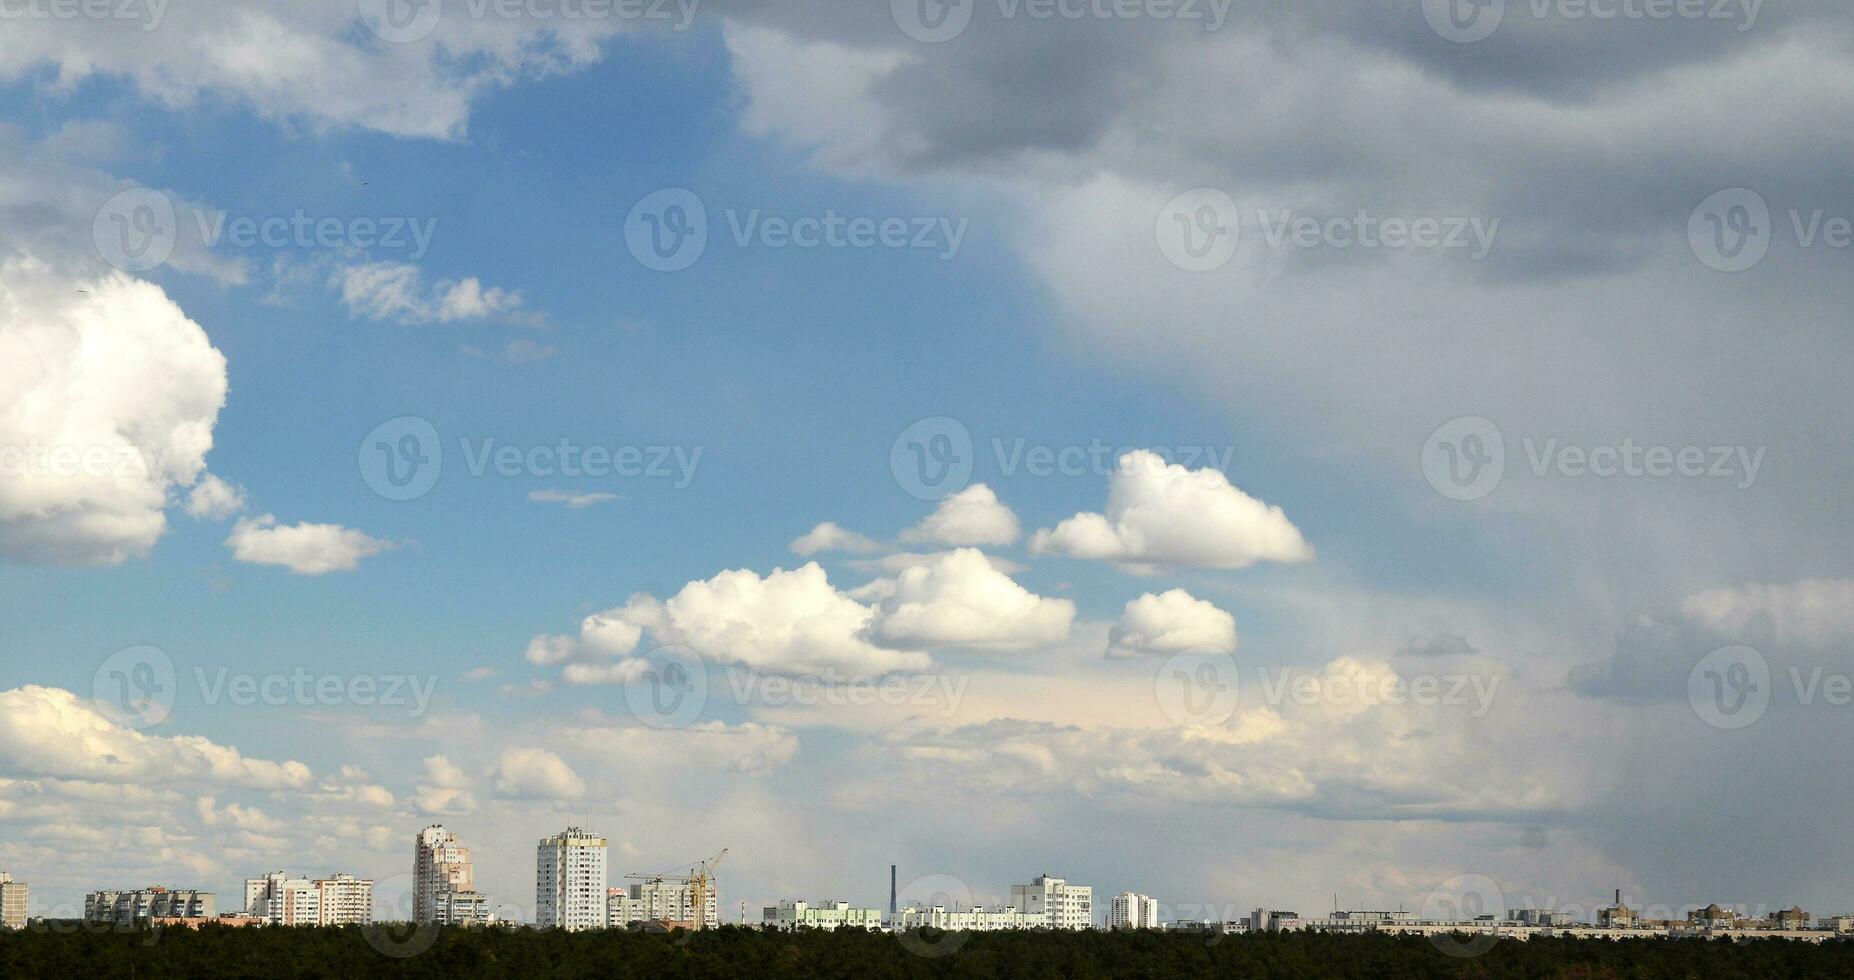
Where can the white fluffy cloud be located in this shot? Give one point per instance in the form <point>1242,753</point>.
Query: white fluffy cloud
<point>1161,513</point>
<point>972,517</point>
<point>396,291</point>
<point>959,599</point>
<point>214,499</point>
<point>787,621</point>
<point>444,788</point>
<point>306,549</point>
<point>108,397</point>
<point>827,536</point>
<point>536,774</point>
<point>46,731</point>
<point>1170,622</point>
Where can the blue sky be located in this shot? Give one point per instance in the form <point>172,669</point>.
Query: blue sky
<point>1317,374</point>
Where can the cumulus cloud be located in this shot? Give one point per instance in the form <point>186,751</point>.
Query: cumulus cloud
<point>396,291</point>
<point>214,499</point>
<point>787,621</point>
<point>304,548</point>
<point>108,397</point>
<point>444,788</point>
<point>535,774</point>
<point>827,536</point>
<point>1161,513</point>
<point>972,517</point>
<point>959,599</point>
<point>46,731</point>
<point>1171,622</point>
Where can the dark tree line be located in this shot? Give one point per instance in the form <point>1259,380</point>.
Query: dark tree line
<point>740,954</point>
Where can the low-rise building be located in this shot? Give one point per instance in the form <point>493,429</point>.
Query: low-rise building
<point>137,907</point>
<point>1843,924</point>
<point>1273,920</point>
<point>976,919</point>
<point>12,902</point>
<point>792,914</point>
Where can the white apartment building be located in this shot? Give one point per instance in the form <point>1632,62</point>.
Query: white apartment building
<point>1053,903</point>
<point>444,881</point>
<point>281,900</point>
<point>977,919</point>
<point>661,899</point>
<point>1132,910</point>
<point>569,881</point>
<point>12,902</point>
<point>792,914</point>
<point>136,907</point>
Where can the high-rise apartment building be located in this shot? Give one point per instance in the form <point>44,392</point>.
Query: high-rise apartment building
<point>1054,903</point>
<point>12,902</point>
<point>444,881</point>
<point>281,900</point>
<point>1131,910</point>
<point>569,881</point>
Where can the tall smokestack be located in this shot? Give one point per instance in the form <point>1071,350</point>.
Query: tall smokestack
<point>891,891</point>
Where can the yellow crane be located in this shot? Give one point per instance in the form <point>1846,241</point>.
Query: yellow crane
<point>700,877</point>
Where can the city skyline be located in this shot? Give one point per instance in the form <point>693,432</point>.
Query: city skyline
<point>1373,449</point>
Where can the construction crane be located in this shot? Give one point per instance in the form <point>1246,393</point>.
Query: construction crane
<point>700,877</point>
